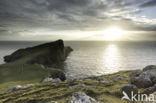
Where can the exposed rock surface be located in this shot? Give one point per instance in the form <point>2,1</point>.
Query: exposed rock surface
<point>47,80</point>
<point>117,77</point>
<point>128,88</point>
<point>58,74</point>
<point>18,87</point>
<point>149,90</point>
<point>49,54</point>
<point>57,80</point>
<point>80,97</point>
<point>14,88</point>
<point>145,78</point>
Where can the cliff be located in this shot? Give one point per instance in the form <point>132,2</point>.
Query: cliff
<point>48,54</point>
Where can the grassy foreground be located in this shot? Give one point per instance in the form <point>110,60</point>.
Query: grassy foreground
<point>18,73</point>
<point>105,92</point>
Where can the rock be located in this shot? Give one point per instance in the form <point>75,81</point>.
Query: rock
<point>117,77</point>
<point>149,67</point>
<point>128,88</point>
<point>58,74</point>
<point>53,102</point>
<point>27,86</point>
<point>78,85</point>
<point>18,87</point>
<point>49,54</point>
<point>47,80</point>
<point>135,73</point>
<point>57,80</point>
<point>14,88</point>
<point>149,90</point>
<point>144,79</point>
<point>80,97</point>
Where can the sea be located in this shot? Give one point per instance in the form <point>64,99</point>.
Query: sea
<point>93,58</point>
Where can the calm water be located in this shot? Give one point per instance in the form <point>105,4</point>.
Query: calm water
<point>97,58</point>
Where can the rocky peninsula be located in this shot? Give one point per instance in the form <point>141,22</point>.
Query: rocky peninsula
<point>48,54</point>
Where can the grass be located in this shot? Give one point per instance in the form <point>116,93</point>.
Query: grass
<point>20,73</point>
<point>45,92</point>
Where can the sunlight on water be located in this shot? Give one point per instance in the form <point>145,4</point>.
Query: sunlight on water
<point>111,58</point>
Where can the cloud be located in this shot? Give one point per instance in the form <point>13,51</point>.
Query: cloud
<point>30,16</point>
<point>149,3</point>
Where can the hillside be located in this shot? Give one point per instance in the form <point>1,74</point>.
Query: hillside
<point>105,92</point>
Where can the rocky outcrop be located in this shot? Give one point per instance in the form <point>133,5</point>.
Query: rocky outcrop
<point>18,87</point>
<point>145,78</point>
<point>47,80</point>
<point>49,54</point>
<point>142,79</point>
<point>128,89</point>
<point>149,90</point>
<point>58,74</point>
<point>80,97</point>
<point>117,77</point>
<point>57,80</point>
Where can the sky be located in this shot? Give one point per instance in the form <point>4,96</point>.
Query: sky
<point>77,19</point>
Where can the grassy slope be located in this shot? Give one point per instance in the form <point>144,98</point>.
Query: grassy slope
<point>44,92</point>
<point>20,73</point>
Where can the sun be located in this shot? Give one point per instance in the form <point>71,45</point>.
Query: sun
<point>113,33</point>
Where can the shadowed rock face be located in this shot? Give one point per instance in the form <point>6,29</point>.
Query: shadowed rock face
<point>48,54</point>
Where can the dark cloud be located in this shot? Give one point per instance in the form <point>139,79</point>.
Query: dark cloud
<point>57,15</point>
<point>149,3</point>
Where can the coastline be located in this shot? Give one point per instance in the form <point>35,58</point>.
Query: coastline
<point>29,75</point>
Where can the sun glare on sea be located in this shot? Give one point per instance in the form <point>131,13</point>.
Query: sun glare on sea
<point>113,33</point>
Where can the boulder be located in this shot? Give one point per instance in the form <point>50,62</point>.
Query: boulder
<point>27,86</point>
<point>47,80</point>
<point>48,54</point>
<point>14,88</point>
<point>117,77</point>
<point>149,67</point>
<point>145,78</point>
<point>135,73</point>
<point>80,97</point>
<point>57,80</point>
<point>128,89</point>
<point>149,90</point>
<point>58,74</point>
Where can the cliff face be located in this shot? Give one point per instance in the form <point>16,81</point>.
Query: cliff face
<point>48,54</point>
